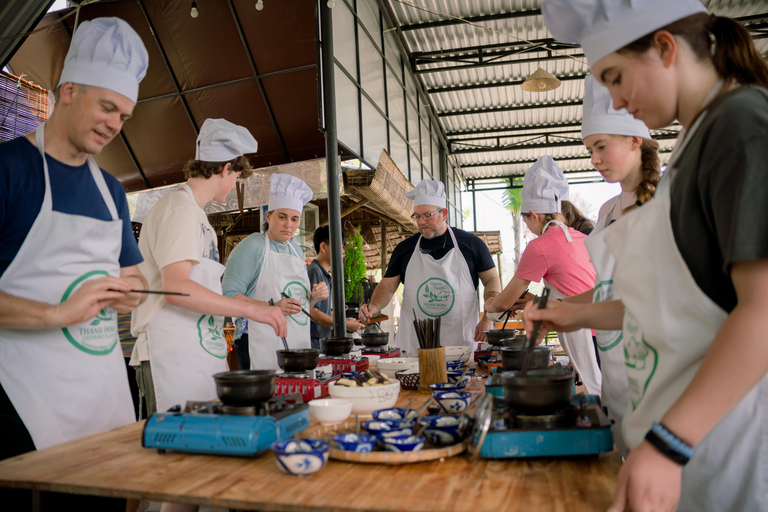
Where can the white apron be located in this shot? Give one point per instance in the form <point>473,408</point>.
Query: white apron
<point>669,324</point>
<point>66,383</point>
<point>615,388</point>
<point>185,347</point>
<point>577,344</point>
<point>439,288</point>
<point>279,273</point>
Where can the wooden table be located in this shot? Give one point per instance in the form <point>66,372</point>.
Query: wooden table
<point>114,464</point>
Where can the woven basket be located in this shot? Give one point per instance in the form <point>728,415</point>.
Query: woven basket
<point>408,380</point>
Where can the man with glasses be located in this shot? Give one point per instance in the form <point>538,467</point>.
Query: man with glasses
<point>444,266</point>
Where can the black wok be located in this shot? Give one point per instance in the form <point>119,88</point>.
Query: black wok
<point>512,357</point>
<point>298,360</point>
<point>541,391</point>
<point>495,336</point>
<point>245,387</point>
<point>375,339</point>
<point>336,345</point>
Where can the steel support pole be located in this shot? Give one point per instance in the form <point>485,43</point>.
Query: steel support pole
<point>332,170</point>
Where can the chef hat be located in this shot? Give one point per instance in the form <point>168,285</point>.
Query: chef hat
<point>222,141</point>
<point>428,192</point>
<point>599,116</point>
<point>601,27</point>
<point>286,191</point>
<point>544,187</point>
<point>107,53</point>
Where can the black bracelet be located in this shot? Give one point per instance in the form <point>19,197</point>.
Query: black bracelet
<point>665,449</point>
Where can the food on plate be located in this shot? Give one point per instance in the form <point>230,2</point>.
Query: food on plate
<point>364,379</point>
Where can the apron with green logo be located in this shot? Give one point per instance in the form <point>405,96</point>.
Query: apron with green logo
<point>185,347</point>
<point>65,383</point>
<point>438,288</point>
<point>279,273</point>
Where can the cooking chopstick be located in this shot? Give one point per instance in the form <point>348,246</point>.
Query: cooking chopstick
<point>542,304</point>
<point>302,309</point>
<point>285,343</point>
<point>159,292</point>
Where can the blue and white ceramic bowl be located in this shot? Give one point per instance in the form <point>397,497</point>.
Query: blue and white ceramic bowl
<point>409,443</point>
<point>444,386</point>
<point>353,443</point>
<point>454,365</point>
<point>305,459</point>
<point>453,376</point>
<point>394,414</point>
<point>443,429</point>
<point>452,402</point>
<point>387,428</point>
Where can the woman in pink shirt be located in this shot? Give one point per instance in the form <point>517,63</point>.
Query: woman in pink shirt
<point>558,256</point>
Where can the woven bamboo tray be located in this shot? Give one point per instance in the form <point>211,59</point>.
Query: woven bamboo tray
<point>429,452</point>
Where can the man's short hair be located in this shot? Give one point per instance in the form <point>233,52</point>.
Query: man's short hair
<point>322,234</point>
<point>200,169</point>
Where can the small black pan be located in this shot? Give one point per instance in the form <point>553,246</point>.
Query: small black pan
<point>375,339</point>
<point>298,360</point>
<point>336,345</point>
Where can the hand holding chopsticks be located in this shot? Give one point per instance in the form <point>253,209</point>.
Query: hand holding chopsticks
<point>534,334</point>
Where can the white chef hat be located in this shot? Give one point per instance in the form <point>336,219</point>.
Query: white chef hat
<point>428,192</point>
<point>107,53</point>
<point>544,187</point>
<point>601,27</point>
<point>286,191</point>
<point>599,116</point>
<point>222,141</point>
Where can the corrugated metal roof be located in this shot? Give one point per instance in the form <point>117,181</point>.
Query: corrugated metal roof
<point>473,71</point>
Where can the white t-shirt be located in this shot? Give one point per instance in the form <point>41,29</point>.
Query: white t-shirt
<point>625,200</point>
<point>173,231</point>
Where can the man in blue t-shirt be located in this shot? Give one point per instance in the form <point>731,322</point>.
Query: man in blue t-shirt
<point>319,272</point>
<point>68,261</point>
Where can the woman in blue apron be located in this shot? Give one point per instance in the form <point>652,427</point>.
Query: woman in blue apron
<point>692,263</point>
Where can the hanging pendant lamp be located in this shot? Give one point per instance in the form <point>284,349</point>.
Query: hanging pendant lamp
<point>540,81</point>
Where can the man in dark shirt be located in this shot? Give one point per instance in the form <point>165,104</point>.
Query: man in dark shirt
<point>318,272</point>
<point>434,265</point>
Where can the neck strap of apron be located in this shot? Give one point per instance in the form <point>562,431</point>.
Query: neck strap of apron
<point>561,226</point>
<point>95,173</point>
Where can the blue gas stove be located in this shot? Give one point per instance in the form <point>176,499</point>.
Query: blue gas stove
<point>580,429</point>
<point>216,429</point>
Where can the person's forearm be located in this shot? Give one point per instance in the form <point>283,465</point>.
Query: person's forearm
<point>487,294</point>
<point>605,316</point>
<point>733,365</point>
<point>245,298</point>
<point>204,301</point>
<point>582,298</point>
<point>507,298</point>
<point>322,318</point>
<point>19,313</point>
<point>381,298</point>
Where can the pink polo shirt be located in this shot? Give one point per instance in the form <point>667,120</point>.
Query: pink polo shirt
<point>564,265</point>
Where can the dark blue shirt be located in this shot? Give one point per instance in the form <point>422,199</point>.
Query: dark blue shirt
<point>317,274</point>
<point>22,186</point>
<point>474,250</point>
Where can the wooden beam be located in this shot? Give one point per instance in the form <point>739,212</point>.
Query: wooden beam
<point>383,247</point>
<point>350,209</point>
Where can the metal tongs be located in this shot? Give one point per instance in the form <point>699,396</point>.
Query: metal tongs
<point>541,302</point>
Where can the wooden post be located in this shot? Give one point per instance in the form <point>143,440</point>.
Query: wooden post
<point>383,247</point>
<point>498,265</point>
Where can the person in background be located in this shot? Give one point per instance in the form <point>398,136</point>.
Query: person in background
<point>264,266</point>
<point>623,152</point>
<point>319,272</point>
<point>444,266</point>
<point>68,261</point>
<point>691,263</point>
<point>558,256</point>
<point>180,342</point>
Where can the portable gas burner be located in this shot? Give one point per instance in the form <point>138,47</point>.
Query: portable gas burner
<point>218,429</point>
<point>382,352</point>
<point>580,429</point>
<point>310,384</point>
<point>342,364</point>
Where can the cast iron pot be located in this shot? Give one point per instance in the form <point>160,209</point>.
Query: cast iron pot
<point>298,360</point>
<point>245,387</point>
<point>375,339</point>
<point>540,391</point>
<point>512,358</point>
<point>495,336</point>
<point>336,345</point>
<point>516,341</point>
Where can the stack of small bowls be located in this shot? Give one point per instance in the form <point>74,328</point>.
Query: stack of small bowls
<point>303,458</point>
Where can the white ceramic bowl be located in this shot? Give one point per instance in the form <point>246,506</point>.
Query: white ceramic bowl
<point>372,360</point>
<point>457,352</point>
<point>367,399</point>
<point>330,411</point>
<point>391,365</point>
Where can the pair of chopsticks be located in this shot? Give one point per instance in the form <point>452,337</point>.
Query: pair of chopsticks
<point>285,343</point>
<point>427,331</point>
<point>159,292</point>
<point>541,302</point>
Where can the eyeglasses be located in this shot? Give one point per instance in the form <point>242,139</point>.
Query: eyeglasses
<point>416,217</point>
